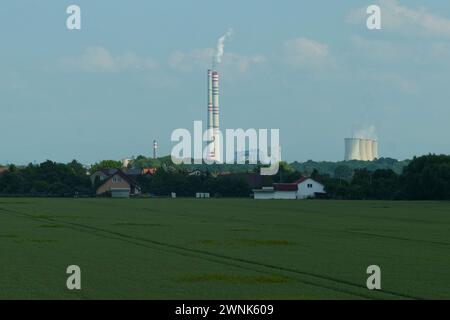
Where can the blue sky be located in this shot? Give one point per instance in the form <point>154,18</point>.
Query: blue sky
<point>137,71</point>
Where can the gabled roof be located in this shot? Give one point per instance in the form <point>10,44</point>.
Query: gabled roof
<point>302,179</point>
<point>285,186</point>
<point>126,177</point>
<point>110,173</point>
<point>290,186</point>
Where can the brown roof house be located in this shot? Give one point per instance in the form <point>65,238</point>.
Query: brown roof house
<point>115,182</point>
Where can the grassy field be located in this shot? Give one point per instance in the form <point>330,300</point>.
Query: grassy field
<point>223,249</point>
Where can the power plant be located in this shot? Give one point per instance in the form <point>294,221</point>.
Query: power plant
<point>213,116</point>
<point>361,149</point>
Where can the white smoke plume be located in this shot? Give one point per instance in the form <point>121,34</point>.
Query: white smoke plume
<point>366,132</point>
<point>221,45</point>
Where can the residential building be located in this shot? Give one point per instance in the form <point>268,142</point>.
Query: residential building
<point>303,188</point>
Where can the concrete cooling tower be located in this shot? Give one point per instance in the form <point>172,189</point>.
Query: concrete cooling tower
<point>352,151</point>
<point>361,149</point>
<point>375,149</point>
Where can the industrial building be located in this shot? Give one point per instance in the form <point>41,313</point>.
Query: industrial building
<point>361,149</point>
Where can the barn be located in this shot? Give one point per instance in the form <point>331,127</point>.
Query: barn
<point>303,188</point>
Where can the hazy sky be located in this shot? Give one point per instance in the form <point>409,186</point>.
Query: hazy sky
<point>137,71</point>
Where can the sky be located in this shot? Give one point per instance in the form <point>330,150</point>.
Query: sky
<point>136,71</point>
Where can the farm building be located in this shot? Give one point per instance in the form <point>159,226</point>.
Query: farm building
<point>303,188</point>
<point>115,182</point>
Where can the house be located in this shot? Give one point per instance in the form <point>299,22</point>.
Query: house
<point>309,188</point>
<point>116,182</point>
<point>102,174</point>
<point>303,188</point>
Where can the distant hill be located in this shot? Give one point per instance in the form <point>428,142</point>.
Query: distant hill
<point>327,167</point>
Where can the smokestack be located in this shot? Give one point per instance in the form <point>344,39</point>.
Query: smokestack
<point>215,92</point>
<point>155,147</point>
<point>210,117</point>
<point>216,121</point>
<point>210,100</point>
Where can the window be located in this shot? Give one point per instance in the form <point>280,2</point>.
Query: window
<point>309,185</point>
<point>117,179</point>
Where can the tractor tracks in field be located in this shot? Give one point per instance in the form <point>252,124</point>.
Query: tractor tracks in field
<point>305,277</point>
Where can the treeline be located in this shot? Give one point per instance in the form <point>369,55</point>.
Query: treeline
<point>324,167</point>
<point>337,169</point>
<point>164,182</point>
<point>48,179</point>
<point>424,178</point>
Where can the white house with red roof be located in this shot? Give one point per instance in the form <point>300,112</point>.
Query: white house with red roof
<point>303,188</point>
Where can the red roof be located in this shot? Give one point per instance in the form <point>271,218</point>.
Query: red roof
<point>285,186</point>
<point>300,180</point>
<point>289,186</point>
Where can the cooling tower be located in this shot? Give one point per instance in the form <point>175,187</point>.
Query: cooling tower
<point>352,149</point>
<point>370,155</point>
<point>364,149</point>
<point>369,151</point>
<point>361,149</point>
<point>375,149</point>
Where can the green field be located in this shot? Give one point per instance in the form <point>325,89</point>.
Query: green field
<point>223,249</point>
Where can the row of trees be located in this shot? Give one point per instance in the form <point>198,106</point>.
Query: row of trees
<point>51,179</point>
<point>163,182</point>
<point>424,178</point>
<point>46,179</point>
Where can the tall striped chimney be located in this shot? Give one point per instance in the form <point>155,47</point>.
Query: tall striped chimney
<point>210,100</point>
<point>216,122</point>
<point>210,118</point>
